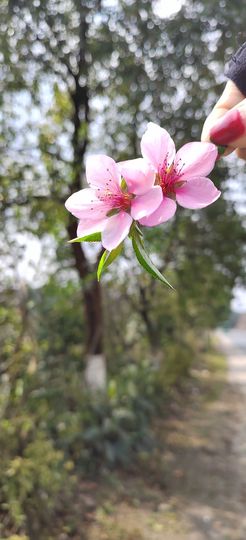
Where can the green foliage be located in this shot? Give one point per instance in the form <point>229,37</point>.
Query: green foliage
<point>32,473</point>
<point>31,483</point>
<point>117,426</point>
<point>52,430</point>
<point>179,360</point>
<point>95,237</point>
<point>144,259</point>
<point>33,470</point>
<point>107,258</point>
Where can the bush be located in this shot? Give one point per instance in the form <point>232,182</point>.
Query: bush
<point>32,478</point>
<point>110,430</point>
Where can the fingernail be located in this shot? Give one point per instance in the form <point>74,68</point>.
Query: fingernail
<point>228,128</point>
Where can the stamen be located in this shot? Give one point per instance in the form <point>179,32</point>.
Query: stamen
<point>169,176</point>
<point>115,201</point>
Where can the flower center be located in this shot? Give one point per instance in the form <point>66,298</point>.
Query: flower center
<point>169,178</point>
<point>115,201</point>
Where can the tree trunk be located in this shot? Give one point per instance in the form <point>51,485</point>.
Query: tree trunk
<point>95,372</point>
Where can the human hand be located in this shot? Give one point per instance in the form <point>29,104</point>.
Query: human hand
<point>226,124</point>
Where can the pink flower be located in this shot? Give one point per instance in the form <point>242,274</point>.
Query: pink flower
<point>182,176</point>
<point>111,202</point>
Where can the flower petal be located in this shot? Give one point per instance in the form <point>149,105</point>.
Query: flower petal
<point>165,211</point>
<point>85,204</point>
<point>196,159</point>
<point>87,226</point>
<point>144,205</point>
<point>157,146</point>
<point>197,193</point>
<point>102,172</point>
<point>117,228</point>
<point>138,175</point>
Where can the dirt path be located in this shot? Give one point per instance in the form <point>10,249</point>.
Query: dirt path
<point>219,481</point>
<point>233,344</point>
<point>194,488</point>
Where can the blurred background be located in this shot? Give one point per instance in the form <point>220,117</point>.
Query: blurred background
<point>118,414</point>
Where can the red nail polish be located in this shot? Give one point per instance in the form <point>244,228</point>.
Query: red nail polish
<point>228,128</point>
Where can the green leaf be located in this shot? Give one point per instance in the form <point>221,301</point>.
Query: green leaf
<point>123,185</point>
<point>145,261</point>
<point>95,237</point>
<point>107,258</point>
<point>113,212</point>
<point>135,229</point>
<point>221,150</point>
<point>138,229</point>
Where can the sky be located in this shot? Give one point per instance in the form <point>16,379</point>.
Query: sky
<point>165,8</point>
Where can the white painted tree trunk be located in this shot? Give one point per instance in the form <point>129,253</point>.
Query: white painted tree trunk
<point>96,373</point>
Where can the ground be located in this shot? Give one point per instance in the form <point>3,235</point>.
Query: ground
<point>194,486</point>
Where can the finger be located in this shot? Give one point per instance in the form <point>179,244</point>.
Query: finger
<point>241,153</point>
<point>214,116</point>
<point>230,97</point>
<point>230,129</point>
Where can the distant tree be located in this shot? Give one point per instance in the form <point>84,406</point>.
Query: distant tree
<point>94,73</point>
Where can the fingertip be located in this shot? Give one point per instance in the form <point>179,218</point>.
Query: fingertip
<point>205,133</point>
<point>241,153</point>
<point>228,150</point>
<point>211,120</point>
